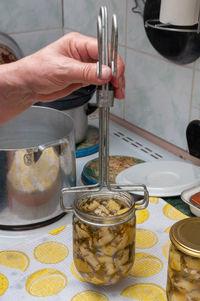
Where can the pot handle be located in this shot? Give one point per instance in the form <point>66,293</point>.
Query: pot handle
<point>91,108</point>
<point>33,155</point>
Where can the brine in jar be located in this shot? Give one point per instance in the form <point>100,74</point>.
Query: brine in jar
<point>103,254</point>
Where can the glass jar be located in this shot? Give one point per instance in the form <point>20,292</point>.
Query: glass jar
<point>104,227</point>
<point>183,280</point>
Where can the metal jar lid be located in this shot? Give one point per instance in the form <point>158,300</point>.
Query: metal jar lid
<point>185,235</point>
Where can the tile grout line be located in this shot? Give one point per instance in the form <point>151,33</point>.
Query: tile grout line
<point>192,93</point>
<point>34,31</point>
<point>62,14</point>
<point>160,58</point>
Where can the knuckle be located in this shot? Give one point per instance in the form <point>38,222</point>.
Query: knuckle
<point>86,72</point>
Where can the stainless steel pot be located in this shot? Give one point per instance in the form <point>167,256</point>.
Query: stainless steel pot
<point>37,159</point>
<point>80,118</point>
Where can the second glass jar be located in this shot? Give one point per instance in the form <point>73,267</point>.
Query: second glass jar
<point>183,281</point>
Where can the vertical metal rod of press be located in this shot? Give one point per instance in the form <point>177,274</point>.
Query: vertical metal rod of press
<point>107,119</point>
<point>106,110</point>
<point>107,93</point>
<point>99,69</point>
<point>102,28</point>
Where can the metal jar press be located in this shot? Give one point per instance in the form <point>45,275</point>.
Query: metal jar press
<point>105,99</point>
<point>104,219</point>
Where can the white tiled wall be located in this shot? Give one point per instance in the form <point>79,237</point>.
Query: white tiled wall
<point>33,24</point>
<point>161,97</point>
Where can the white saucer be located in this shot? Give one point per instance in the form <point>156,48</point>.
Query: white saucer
<point>162,178</point>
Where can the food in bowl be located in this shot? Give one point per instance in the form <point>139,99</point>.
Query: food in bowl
<point>6,55</point>
<point>195,198</point>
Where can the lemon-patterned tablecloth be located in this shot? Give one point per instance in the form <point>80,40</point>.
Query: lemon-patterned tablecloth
<point>43,269</point>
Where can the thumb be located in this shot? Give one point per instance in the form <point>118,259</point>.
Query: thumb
<point>87,73</point>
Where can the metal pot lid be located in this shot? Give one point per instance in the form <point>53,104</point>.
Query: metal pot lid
<point>9,49</point>
<point>74,100</point>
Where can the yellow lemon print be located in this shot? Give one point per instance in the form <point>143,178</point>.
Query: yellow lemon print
<point>45,282</point>
<point>3,284</point>
<point>168,229</point>
<point>142,216</point>
<point>75,273</point>
<point>154,200</point>
<point>57,231</point>
<point>146,265</point>
<point>51,252</point>
<point>145,292</point>
<point>165,249</point>
<point>145,239</point>
<point>172,213</point>
<point>90,295</point>
<point>14,259</point>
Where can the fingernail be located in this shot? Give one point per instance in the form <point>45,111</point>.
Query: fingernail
<point>106,73</point>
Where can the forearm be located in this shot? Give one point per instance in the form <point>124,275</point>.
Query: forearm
<point>15,94</point>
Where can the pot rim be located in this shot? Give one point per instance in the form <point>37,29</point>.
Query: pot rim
<point>76,99</point>
<point>48,143</point>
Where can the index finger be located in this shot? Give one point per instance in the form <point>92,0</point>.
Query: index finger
<point>80,47</point>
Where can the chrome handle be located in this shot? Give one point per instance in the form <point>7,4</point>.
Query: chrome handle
<point>141,204</point>
<point>76,189</point>
<point>33,155</point>
<point>114,46</point>
<point>65,209</point>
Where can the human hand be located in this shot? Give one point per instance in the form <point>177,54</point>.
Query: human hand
<point>67,65</point>
<point>54,72</point>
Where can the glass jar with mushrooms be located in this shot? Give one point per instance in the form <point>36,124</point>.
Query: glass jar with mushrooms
<point>183,281</point>
<point>104,227</point>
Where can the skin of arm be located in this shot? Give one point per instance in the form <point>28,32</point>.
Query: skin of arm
<point>53,72</point>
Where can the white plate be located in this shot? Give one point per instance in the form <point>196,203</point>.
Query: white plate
<point>162,178</point>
